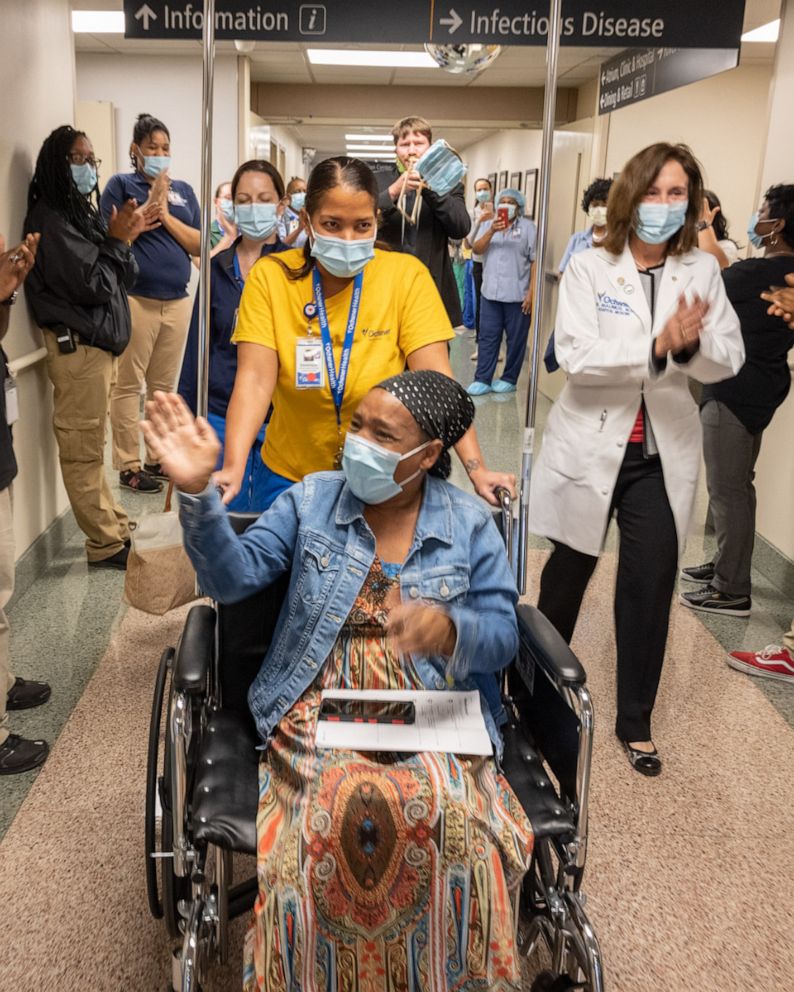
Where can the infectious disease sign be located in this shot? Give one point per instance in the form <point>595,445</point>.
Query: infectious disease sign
<point>667,23</point>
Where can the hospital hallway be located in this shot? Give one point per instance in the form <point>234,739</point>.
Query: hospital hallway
<point>688,875</point>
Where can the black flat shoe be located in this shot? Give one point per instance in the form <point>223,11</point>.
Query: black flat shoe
<point>24,695</point>
<point>17,754</point>
<point>117,561</point>
<point>645,762</point>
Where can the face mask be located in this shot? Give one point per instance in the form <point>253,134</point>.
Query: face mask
<point>340,257</point>
<point>511,211</point>
<point>482,195</point>
<point>85,177</point>
<point>227,209</point>
<point>153,165</point>
<point>369,469</point>
<point>757,240</point>
<point>256,220</point>
<point>440,168</point>
<point>658,222</point>
<point>598,215</point>
<point>297,201</point>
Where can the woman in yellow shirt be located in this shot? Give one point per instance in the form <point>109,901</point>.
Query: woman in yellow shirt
<point>320,326</point>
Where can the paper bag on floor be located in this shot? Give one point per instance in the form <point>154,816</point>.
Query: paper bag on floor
<point>160,576</point>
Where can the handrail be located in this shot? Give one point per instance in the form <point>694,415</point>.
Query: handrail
<point>26,361</point>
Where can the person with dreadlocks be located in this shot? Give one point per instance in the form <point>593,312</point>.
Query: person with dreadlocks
<point>159,300</point>
<point>77,292</point>
<point>398,580</point>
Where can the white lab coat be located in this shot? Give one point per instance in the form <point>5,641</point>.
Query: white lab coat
<point>603,343</point>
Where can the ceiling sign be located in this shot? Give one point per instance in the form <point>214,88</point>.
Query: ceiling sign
<point>622,23</point>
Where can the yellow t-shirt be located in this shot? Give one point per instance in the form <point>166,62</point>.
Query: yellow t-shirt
<point>401,311</point>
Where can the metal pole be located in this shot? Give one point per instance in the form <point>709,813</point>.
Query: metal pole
<point>203,363</point>
<point>549,108</point>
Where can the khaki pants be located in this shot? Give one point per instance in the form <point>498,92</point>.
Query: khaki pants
<point>153,356</point>
<point>82,384</point>
<point>6,590</point>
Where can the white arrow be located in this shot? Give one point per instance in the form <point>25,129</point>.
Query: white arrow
<point>146,14</point>
<point>454,20</point>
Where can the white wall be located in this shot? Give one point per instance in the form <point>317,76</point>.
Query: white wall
<point>723,119</point>
<point>37,83</point>
<point>169,87</point>
<point>508,151</point>
<point>293,151</point>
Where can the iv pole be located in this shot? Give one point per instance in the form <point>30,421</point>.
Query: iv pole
<point>203,364</point>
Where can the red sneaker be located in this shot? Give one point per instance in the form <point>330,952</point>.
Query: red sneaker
<point>773,662</point>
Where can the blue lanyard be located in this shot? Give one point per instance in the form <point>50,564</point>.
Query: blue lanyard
<point>237,273</point>
<point>337,381</point>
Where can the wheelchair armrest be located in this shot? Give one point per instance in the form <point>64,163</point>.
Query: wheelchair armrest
<point>548,648</point>
<point>195,650</point>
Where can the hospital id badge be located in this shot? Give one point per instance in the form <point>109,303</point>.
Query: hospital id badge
<point>309,365</point>
<point>12,401</point>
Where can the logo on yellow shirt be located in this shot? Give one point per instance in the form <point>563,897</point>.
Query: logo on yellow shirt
<point>368,333</point>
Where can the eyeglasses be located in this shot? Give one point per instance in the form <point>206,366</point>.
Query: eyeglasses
<point>77,159</point>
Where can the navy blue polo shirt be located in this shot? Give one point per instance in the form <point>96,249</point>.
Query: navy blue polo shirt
<point>226,290</point>
<point>163,264</point>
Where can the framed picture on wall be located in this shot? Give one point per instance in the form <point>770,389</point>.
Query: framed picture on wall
<point>503,180</point>
<point>515,180</point>
<point>531,191</point>
<point>492,181</point>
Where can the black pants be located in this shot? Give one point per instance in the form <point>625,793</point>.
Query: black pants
<point>476,270</point>
<point>647,565</point>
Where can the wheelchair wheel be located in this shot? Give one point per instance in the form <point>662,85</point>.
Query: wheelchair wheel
<point>152,786</point>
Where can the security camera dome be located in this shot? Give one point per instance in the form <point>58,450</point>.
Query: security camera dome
<point>464,60</point>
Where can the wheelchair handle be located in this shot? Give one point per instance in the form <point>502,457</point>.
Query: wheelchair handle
<point>506,507</point>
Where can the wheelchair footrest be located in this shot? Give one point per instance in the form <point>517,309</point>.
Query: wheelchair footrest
<point>226,789</point>
<point>524,770</point>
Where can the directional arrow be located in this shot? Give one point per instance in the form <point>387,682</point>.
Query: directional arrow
<point>145,14</point>
<point>454,20</point>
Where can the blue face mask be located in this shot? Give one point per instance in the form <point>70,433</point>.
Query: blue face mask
<point>482,195</point>
<point>85,177</point>
<point>341,257</point>
<point>369,469</point>
<point>297,201</point>
<point>511,211</point>
<point>440,168</point>
<point>256,220</point>
<point>658,222</point>
<point>153,165</point>
<point>227,209</point>
<point>757,240</point>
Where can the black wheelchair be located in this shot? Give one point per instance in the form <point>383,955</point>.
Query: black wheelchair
<point>202,787</point>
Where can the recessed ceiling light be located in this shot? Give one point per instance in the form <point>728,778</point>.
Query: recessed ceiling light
<point>98,21</point>
<point>373,156</point>
<point>388,149</point>
<point>368,137</point>
<point>767,32</point>
<point>371,57</point>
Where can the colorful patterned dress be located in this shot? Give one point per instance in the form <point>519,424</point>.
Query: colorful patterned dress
<point>381,872</point>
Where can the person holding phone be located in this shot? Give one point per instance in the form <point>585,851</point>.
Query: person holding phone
<point>77,292</point>
<point>398,580</point>
<point>507,245</point>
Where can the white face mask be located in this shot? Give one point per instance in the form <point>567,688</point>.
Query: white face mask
<point>598,215</point>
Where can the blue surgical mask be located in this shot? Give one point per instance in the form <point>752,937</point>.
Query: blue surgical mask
<point>227,209</point>
<point>482,195</point>
<point>757,240</point>
<point>85,177</point>
<point>369,469</point>
<point>440,168</point>
<point>256,220</point>
<point>297,201</point>
<point>511,211</point>
<point>341,257</point>
<point>153,165</point>
<point>658,222</point>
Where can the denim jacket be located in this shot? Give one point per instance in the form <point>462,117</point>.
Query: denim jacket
<point>316,531</point>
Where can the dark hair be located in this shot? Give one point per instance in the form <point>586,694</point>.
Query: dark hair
<point>327,175</point>
<point>144,127</point>
<point>484,179</point>
<point>52,182</point>
<point>781,205</point>
<point>408,124</point>
<point>259,165</point>
<point>631,186</point>
<point>597,190</point>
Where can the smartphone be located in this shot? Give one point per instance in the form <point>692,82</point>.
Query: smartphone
<point>367,711</point>
<point>503,215</point>
<point>65,338</point>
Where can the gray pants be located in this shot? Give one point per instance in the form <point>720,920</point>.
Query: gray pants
<point>730,452</point>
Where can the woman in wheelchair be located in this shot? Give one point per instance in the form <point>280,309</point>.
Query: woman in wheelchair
<point>376,870</point>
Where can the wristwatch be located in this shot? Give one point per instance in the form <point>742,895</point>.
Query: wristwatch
<point>702,225</point>
<point>11,299</point>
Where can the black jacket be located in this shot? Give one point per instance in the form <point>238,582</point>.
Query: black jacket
<point>441,218</point>
<point>79,283</point>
